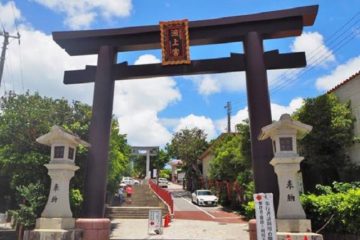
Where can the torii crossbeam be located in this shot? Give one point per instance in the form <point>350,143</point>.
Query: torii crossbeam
<point>249,29</point>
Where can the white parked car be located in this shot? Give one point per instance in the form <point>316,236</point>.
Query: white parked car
<point>128,181</point>
<point>204,197</point>
<point>163,182</point>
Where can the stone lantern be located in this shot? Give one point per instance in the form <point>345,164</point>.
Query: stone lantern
<point>284,133</point>
<point>57,215</point>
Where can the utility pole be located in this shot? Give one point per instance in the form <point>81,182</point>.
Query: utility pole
<point>4,47</point>
<point>228,108</point>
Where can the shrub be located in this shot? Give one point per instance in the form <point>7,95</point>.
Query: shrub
<point>33,201</point>
<point>249,210</point>
<point>76,200</point>
<point>336,209</point>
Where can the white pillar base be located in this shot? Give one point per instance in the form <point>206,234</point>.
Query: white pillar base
<point>293,225</point>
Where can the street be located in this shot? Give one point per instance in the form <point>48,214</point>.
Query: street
<point>185,209</point>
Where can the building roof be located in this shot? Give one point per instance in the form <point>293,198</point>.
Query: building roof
<point>208,150</point>
<point>344,82</point>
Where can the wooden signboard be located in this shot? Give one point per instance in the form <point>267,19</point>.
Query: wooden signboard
<point>175,42</point>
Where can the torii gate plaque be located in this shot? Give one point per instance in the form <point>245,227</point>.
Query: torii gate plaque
<point>250,29</point>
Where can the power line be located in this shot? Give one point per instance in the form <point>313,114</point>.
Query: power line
<point>342,33</point>
<point>289,75</point>
<point>318,58</point>
<point>295,75</point>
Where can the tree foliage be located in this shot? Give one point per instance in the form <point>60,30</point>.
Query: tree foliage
<point>188,145</point>
<point>324,148</point>
<point>232,158</point>
<point>24,118</point>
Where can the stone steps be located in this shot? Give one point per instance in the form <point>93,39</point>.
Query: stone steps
<point>142,200</point>
<point>132,212</point>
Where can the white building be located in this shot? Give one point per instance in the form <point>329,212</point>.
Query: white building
<point>349,89</point>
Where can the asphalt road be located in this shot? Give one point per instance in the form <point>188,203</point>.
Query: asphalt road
<point>185,209</point>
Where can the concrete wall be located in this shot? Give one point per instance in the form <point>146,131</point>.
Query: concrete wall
<point>351,91</point>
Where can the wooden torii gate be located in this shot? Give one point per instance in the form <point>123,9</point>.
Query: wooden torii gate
<point>252,30</point>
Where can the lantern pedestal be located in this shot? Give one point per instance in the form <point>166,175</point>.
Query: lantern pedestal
<point>293,225</point>
<point>290,214</point>
<point>58,204</point>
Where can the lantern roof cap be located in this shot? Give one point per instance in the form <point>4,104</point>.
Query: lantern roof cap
<point>285,122</point>
<point>58,133</point>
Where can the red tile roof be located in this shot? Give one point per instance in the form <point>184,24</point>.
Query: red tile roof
<point>344,82</point>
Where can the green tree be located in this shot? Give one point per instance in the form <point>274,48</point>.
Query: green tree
<point>24,118</point>
<point>232,159</point>
<point>119,164</point>
<point>188,145</point>
<point>324,148</point>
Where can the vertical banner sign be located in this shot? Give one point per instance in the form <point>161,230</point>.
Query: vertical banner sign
<point>175,42</point>
<point>154,223</point>
<point>265,216</point>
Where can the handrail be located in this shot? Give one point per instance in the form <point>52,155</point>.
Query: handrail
<point>164,195</point>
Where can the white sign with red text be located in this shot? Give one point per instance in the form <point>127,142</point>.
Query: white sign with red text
<point>155,223</point>
<point>265,216</point>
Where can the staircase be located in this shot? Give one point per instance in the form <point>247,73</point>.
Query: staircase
<point>142,200</point>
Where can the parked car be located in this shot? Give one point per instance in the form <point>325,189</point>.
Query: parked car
<point>128,181</point>
<point>204,197</point>
<point>163,182</point>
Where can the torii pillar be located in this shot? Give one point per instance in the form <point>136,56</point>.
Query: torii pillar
<point>259,114</point>
<point>96,175</point>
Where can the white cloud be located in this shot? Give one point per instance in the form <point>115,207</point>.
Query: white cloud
<point>276,111</point>
<point>137,103</point>
<point>80,14</point>
<point>9,14</point>
<point>200,122</point>
<point>339,74</point>
<point>38,64</point>
<point>312,43</point>
<point>144,128</point>
<point>208,84</point>
<point>232,82</point>
<point>41,67</point>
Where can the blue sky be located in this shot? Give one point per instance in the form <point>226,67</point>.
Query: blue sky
<point>149,111</point>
